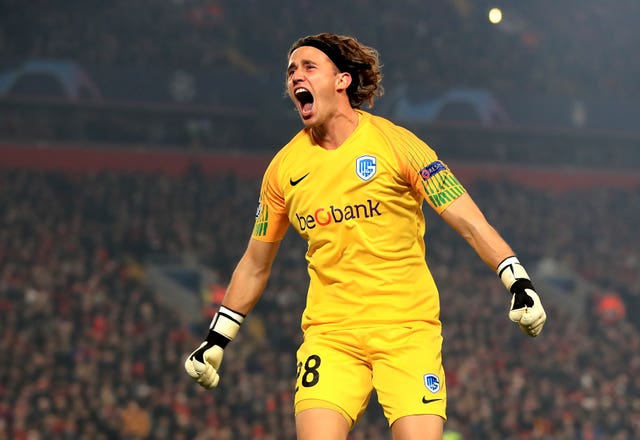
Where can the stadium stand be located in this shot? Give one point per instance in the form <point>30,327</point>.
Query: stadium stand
<point>89,351</point>
<point>99,183</point>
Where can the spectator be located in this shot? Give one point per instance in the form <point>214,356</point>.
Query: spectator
<point>82,337</point>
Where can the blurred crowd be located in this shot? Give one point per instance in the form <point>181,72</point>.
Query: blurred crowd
<point>571,47</point>
<point>90,352</point>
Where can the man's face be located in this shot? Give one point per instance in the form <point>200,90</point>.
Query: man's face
<point>313,83</point>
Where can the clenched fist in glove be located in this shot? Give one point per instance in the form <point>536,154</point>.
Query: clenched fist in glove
<point>526,308</point>
<point>203,364</point>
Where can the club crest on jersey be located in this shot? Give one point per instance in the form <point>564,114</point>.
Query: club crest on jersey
<point>431,169</point>
<point>432,382</point>
<point>366,167</point>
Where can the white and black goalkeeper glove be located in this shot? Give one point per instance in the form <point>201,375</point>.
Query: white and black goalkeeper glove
<point>526,308</point>
<point>203,364</point>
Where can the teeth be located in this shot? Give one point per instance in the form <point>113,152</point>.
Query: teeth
<point>300,90</point>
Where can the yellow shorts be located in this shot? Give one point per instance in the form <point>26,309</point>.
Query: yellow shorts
<point>339,370</point>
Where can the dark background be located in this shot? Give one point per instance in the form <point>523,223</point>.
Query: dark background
<point>133,137</point>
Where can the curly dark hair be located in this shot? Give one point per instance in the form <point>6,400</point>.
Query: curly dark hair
<point>349,55</point>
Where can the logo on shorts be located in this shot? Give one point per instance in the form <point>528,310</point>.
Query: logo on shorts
<point>432,382</point>
<point>366,167</point>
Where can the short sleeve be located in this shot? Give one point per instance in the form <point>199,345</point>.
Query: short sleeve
<point>426,173</point>
<point>271,217</point>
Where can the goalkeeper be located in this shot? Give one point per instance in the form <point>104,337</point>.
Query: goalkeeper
<point>352,185</point>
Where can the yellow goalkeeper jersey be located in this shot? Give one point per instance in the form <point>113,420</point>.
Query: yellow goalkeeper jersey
<point>359,207</point>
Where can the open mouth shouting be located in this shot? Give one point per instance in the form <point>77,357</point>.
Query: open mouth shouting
<point>305,102</point>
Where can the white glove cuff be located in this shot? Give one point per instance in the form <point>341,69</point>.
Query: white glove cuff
<point>510,270</point>
<point>226,322</point>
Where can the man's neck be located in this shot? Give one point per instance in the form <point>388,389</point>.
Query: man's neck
<point>333,133</point>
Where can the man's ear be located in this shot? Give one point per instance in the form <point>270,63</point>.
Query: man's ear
<point>343,81</point>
